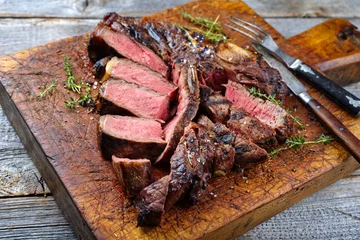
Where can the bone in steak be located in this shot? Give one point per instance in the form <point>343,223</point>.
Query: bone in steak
<point>133,174</point>
<point>138,100</point>
<point>122,68</point>
<point>187,108</point>
<point>130,137</point>
<point>267,112</point>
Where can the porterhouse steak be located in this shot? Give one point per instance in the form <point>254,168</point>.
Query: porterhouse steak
<point>166,85</point>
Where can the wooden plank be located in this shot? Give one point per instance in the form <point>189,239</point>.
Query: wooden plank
<point>96,9</point>
<point>306,8</point>
<point>84,8</point>
<point>33,218</point>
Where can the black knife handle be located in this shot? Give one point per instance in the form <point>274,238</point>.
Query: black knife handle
<point>351,142</point>
<point>333,90</point>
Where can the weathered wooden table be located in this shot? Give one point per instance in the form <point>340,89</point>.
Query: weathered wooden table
<point>27,209</point>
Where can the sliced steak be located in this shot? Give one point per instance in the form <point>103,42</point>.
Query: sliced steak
<point>248,154</point>
<point>224,151</point>
<point>216,106</point>
<point>138,100</point>
<point>245,67</point>
<point>151,202</point>
<point>133,174</point>
<point>190,166</point>
<point>267,112</point>
<point>130,137</point>
<point>121,68</point>
<point>105,40</point>
<point>141,31</point>
<point>248,126</point>
<point>187,108</point>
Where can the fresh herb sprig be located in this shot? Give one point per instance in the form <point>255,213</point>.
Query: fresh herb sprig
<point>211,30</point>
<point>71,79</point>
<point>83,100</point>
<point>257,93</point>
<point>272,98</point>
<point>47,89</point>
<point>72,103</point>
<point>297,141</point>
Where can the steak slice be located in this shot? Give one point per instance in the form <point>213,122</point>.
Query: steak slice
<point>191,166</point>
<point>133,174</point>
<point>224,151</point>
<point>216,106</point>
<point>267,112</point>
<point>130,137</point>
<point>141,31</point>
<point>245,67</point>
<point>105,40</point>
<point>247,153</point>
<point>121,68</point>
<point>139,101</point>
<point>186,110</point>
<point>258,132</point>
<point>151,202</point>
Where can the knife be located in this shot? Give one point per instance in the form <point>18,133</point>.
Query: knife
<point>350,141</point>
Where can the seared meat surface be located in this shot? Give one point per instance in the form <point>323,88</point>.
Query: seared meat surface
<point>172,84</point>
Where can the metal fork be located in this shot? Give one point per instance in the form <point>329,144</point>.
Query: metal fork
<point>333,90</point>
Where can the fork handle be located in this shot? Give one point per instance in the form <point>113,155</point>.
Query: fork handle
<point>330,88</point>
<point>351,142</point>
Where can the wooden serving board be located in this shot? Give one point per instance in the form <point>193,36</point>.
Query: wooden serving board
<point>62,143</point>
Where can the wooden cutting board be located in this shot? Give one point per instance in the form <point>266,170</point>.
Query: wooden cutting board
<point>62,142</point>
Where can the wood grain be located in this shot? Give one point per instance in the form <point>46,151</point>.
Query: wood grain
<point>97,8</point>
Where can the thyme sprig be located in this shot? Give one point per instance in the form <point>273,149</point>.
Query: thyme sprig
<point>211,30</point>
<point>272,98</point>
<point>297,141</point>
<point>47,89</point>
<point>83,100</point>
<point>72,103</point>
<point>71,79</point>
<point>257,93</point>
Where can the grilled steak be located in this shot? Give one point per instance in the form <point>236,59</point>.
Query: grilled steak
<point>105,40</point>
<point>151,202</point>
<point>130,137</point>
<point>133,174</point>
<point>245,67</point>
<point>216,106</point>
<point>138,100</point>
<point>248,154</point>
<point>187,108</point>
<point>121,68</point>
<point>250,127</point>
<point>224,152</point>
<point>190,166</point>
<point>267,112</point>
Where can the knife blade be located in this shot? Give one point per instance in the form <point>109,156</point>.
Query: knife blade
<point>349,140</point>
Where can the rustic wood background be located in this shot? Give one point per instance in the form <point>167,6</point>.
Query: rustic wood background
<point>333,213</point>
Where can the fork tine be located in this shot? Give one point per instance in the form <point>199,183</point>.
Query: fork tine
<point>242,32</point>
<point>256,33</point>
<point>252,25</point>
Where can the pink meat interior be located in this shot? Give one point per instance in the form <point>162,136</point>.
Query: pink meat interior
<point>133,128</point>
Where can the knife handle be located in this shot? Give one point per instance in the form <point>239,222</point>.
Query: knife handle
<point>330,88</point>
<point>351,142</point>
